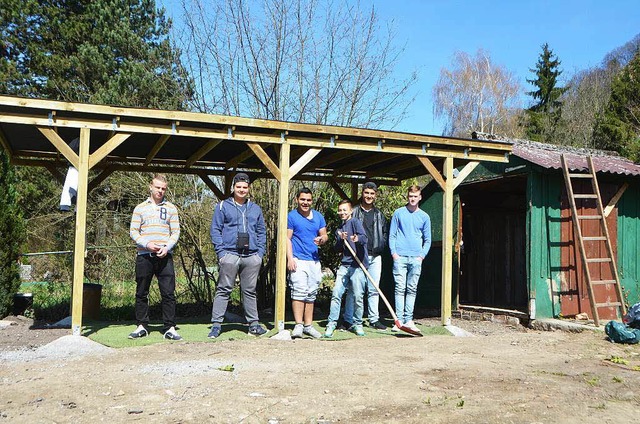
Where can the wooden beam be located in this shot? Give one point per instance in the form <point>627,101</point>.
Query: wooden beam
<point>95,182</point>
<point>265,159</point>
<point>354,191</point>
<point>107,148</point>
<point>109,112</point>
<point>303,161</point>
<point>362,163</point>
<point>282,239</point>
<point>53,170</point>
<point>212,186</point>
<point>80,236</point>
<point>156,148</point>
<point>340,154</point>
<point>5,145</point>
<point>433,171</point>
<point>210,145</point>
<point>234,162</point>
<point>468,169</point>
<point>338,189</point>
<point>399,166</point>
<point>60,144</point>
<point>614,200</point>
<point>447,243</point>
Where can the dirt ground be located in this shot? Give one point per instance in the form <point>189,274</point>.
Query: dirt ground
<point>504,374</point>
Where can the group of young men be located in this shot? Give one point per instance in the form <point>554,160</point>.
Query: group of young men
<point>238,234</point>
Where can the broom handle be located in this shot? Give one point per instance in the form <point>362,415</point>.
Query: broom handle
<point>386,302</point>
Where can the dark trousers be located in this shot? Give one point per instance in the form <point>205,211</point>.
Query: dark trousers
<point>146,267</point>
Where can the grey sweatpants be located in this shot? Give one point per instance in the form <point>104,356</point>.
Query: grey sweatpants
<point>228,268</point>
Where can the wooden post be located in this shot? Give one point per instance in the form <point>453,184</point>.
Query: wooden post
<point>80,238</point>
<point>281,250</point>
<point>447,242</point>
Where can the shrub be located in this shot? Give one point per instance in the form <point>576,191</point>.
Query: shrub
<point>12,234</point>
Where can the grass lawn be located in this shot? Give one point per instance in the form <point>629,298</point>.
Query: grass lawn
<point>115,334</point>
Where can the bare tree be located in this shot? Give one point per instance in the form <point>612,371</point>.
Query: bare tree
<point>294,60</point>
<point>476,95</point>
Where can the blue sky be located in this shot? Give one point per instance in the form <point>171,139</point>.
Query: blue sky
<point>579,32</point>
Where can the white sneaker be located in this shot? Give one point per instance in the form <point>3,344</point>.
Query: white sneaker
<point>172,334</point>
<point>311,331</point>
<point>395,328</point>
<point>412,325</point>
<point>297,331</point>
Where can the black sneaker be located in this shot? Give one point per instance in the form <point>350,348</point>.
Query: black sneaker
<point>377,325</point>
<point>344,326</point>
<point>215,331</point>
<point>139,333</point>
<point>256,330</point>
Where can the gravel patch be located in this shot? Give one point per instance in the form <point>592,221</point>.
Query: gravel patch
<point>66,347</point>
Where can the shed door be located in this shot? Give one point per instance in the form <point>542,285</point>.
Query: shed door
<point>574,297</point>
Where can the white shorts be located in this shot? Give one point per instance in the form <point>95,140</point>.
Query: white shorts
<point>305,281</point>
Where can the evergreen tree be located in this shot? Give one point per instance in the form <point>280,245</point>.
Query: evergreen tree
<point>12,234</point>
<point>619,127</point>
<point>544,116</point>
<point>97,51</point>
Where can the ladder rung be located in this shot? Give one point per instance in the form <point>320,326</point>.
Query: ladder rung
<point>590,260</point>
<point>603,282</point>
<point>585,196</point>
<point>597,238</point>
<point>574,175</point>
<point>608,304</point>
<point>589,216</point>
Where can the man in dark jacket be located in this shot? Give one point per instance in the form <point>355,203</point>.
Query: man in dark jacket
<point>239,237</point>
<point>375,226</point>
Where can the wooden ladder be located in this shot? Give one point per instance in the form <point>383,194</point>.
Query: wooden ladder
<point>604,236</point>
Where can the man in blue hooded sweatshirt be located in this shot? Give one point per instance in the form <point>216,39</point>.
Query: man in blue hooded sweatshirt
<point>239,237</point>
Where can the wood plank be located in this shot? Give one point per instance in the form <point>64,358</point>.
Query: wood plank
<point>5,145</point>
<point>95,182</point>
<point>329,159</point>
<point>156,148</point>
<point>433,171</point>
<point>338,189</point>
<point>362,163</point>
<point>183,117</point>
<point>80,236</point>
<point>303,161</point>
<point>265,159</point>
<point>614,200</point>
<point>53,170</point>
<point>281,246</point>
<point>209,146</point>
<point>447,243</point>
<point>468,169</point>
<point>234,162</point>
<point>212,186</point>
<point>60,145</point>
<point>394,168</point>
<point>107,148</point>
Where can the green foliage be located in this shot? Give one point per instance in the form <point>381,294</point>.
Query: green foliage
<point>96,51</point>
<point>12,234</point>
<point>619,127</point>
<point>544,116</point>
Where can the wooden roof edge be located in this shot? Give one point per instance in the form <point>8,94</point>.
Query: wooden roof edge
<point>283,126</point>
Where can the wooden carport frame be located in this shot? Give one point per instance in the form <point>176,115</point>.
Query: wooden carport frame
<point>36,132</point>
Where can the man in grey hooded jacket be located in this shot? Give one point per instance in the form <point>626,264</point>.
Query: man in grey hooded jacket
<point>239,237</point>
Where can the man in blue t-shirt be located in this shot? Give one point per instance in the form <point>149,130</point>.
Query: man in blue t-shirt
<point>306,230</point>
<point>409,241</point>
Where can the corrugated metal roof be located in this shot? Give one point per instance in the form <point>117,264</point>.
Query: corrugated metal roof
<point>548,156</point>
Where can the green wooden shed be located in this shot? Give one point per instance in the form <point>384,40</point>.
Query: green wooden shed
<point>514,241</point>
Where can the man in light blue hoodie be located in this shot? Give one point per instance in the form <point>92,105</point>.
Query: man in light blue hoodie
<point>239,237</point>
<point>409,241</point>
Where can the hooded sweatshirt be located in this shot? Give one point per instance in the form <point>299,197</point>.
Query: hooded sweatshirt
<point>231,218</point>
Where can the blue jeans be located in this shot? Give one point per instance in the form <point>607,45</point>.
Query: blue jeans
<point>350,279</point>
<point>373,297</point>
<point>406,273</point>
